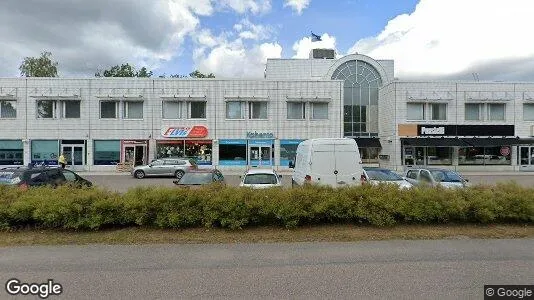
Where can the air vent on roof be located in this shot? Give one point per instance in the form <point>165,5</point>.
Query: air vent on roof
<point>323,53</point>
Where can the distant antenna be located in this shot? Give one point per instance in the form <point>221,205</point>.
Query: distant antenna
<point>475,76</point>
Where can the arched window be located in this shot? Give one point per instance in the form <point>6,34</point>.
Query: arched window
<point>360,98</point>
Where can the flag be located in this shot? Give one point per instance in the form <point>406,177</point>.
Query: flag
<point>315,38</point>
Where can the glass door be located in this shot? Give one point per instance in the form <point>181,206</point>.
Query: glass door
<point>526,158</point>
<point>260,156</point>
<point>420,156</point>
<point>74,155</point>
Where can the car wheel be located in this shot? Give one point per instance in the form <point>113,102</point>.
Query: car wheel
<point>178,174</point>
<point>139,174</point>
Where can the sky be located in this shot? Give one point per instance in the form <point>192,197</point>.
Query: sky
<point>427,39</point>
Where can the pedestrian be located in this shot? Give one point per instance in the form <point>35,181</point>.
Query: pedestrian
<point>62,160</point>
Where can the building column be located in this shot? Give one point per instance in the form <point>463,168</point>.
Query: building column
<point>89,149</point>
<point>26,147</point>
<point>277,154</point>
<point>455,156</point>
<point>513,157</point>
<point>151,149</point>
<point>215,153</point>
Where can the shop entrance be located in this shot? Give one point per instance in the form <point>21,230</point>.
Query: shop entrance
<point>526,158</point>
<point>260,156</point>
<point>414,156</point>
<point>135,154</point>
<point>74,154</point>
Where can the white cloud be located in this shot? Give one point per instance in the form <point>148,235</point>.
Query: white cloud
<point>242,6</point>
<point>250,31</point>
<point>233,58</point>
<point>448,37</point>
<point>303,47</point>
<point>297,5</point>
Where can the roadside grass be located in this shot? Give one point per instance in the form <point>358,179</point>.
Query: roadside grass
<point>320,233</point>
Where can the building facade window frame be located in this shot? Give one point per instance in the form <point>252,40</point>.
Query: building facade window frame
<point>198,115</point>
<point>297,110</point>
<point>165,108</point>
<point>131,110</point>
<point>116,109</point>
<point>8,109</point>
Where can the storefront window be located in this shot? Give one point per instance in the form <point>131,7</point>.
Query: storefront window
<point>200,151</point>
<point>45,152</point>
<point>288,151</point>
<point>483,156</point>
<point>11,152</point>
<point>369,155</point>
<point>107,152</point>
<point>439,155</point>
<point>233,152</point>
<point>170,149</point>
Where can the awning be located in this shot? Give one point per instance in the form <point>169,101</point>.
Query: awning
<point>368,142</point>
<point>444,142</point>
<point>481,142</point>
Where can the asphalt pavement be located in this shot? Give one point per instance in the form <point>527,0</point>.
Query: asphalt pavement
<point>455,269</point>
<point>122,183</point>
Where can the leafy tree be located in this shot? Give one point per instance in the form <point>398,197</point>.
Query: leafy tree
<point>42,66</point>
<point>124,70</point>
<point>197,74</point>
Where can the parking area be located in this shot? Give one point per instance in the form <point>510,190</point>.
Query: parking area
<point>122,183</point>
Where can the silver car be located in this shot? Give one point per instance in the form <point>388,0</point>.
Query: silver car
<point>376,176</point>
<point>165,167</point>
<point>435,177</point>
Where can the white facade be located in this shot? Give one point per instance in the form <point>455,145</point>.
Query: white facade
<point>100,122</point>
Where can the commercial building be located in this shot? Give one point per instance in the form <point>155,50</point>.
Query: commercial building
<point>232,124</point>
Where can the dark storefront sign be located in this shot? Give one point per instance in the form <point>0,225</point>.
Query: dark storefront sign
<point>465,130</point>
<point>459,142</point>
<point>368,142</point>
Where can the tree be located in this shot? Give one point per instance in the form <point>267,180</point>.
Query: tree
<point>124,70</point>
<point>197,74</point>
<point>42,66</point>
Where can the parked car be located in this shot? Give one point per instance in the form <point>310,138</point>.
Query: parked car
<point>200,177</point>
<point>25,177</point>
<point>165,167</point>
<point>260,179</point>
<point>376,176</point>
<point>328,161</point>
<point>434,177</point>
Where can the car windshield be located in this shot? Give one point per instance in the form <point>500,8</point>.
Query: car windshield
<point>445,176</point>
<point>9,177</point>
<point>196,178</point>
<point>382,175</point>
<point>260,179</point>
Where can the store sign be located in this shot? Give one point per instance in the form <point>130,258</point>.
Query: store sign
<point>197,131</point>
<point>432,130</point>
<point>260,135</point>
<point>464,130</point>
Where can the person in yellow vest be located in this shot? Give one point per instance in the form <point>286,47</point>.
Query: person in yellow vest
<point>62,161</point>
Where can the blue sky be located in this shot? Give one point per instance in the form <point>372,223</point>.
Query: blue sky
<point>427,39</point>
<point>347,20</point>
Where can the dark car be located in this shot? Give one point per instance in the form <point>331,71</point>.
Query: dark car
<point>40,176</point>
<point>200,177</point>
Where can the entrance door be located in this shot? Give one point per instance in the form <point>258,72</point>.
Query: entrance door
<point>260,156</point>
<point>526,158</point>
<point>135,155</point>
<point>420,156</point>
<point>75,155</point>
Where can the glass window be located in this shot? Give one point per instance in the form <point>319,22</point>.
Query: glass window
<point>133,109</point>
<point>319,111</point>
<point>71,109</point>
<point>528,112</point>
<point>496,111</point>
<point>69,176</point>
<point>296,110</point>
<point>257,110</point>
<point>416,111</point>
<point>483,156</point>
<point>235,110</point>
<point>106,152</point>
<point>44,152</point>
<point>170,149</point>
<point>412,174</point>
<point>493,156</point>
<point>369,155</point>
<point>473,111</point>
<point>108,109</point>
<point>46,109</point>
<point>197,110</point>
<point>11,152</point>
<point>200,151</point>
<point>439,155</point>
<point>8,109</point>
<point>288,151</point>
<point>232,152</point>
<point>171,110</point>
<point>439,111</point>
<point>260,179</point>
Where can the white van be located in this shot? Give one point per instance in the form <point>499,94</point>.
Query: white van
<point>328,161</point>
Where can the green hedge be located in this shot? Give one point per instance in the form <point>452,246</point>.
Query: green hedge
<point>229,207</point>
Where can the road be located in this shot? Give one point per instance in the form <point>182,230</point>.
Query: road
<point>122,183</point>
<point>386,269</point>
